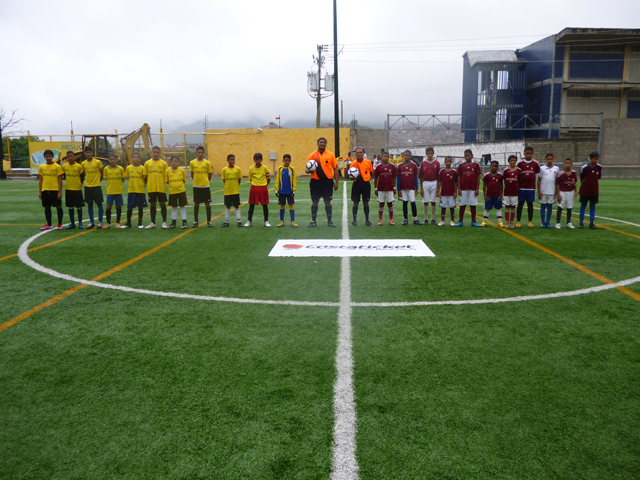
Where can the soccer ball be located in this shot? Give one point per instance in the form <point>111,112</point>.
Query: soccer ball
<point>353,173</point>
<point>312,165</point>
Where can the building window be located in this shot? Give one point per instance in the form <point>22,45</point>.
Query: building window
<point>633,94</point>
<point>597,48</point>
<point>583,93</point>
<point>635,48</point>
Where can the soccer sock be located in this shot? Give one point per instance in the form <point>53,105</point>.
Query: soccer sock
<point>90,210</point>
<point>183,213</point>
<point>433,211</point>
<point>592,212</point>
<point>354,212</point>
<point>462,209</point>
<point>380,211</point>
<point>530,210</point>
<point>520,205</point>
<point>329,210</point>
<point>118,214</point>
<point>47,215</point>
<point>486,215</point>
<point>163,210</point>
<point>443,213</point>
<point>414,210</point>
<point>549,212</point>
<point>583,208</point>
<point>405,209</point>
<point>196,211</point>
<point>71,215</point>
<point>100,213</point>
<point>251,207</point>
<point>238,217</point>
<point>227,213</point>
<point>129,215</point>
<point>208,208</point>
<point>174,213</point>
<point>453,213</point>
<point>543,211</point>
<point>568,215</point>
<point>473,213</point>
<point>282,213</point>
<point>79,215</point>
<point>108,215</point>
<point>314,212</point>
<point>153,210</point>
<point>499,215</point>
<point>366,212</point>
<point>60,215</point>
<point>265,210</point>
<point>140,214</point>
<point>558,215</point>
<point>425,206</point>
<point>390,205</point>
<point>292,213</point>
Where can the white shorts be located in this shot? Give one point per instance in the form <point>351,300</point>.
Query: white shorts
<point>448,202</point>
<point>408,195</point>
<point>547,199</point>
<point>386,197</point>
<point>468,197</point>
<point>429,191</point>
<point>567,199</point>
<point>510,201</point>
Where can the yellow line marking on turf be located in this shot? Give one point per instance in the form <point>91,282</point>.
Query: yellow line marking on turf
<point>46,245</point>
<point>618,231</point>
<point>19,224</point>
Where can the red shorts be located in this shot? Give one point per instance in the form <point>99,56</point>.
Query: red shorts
<point>258,195</point>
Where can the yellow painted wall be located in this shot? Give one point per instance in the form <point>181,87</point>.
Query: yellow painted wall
<point>243,143</point>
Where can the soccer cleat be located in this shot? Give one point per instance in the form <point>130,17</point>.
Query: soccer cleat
<point>459,224</point>
<point>90,226</point>
<point>239,223</point>
<point>483,224</point>
<point>81,226</point>
<point>106,226</point>
<point>353,224</point>
<point>592,226</point>
<point>142,226</point>
<point>392,223</point>
<point>194,225</point>
<point>226,224</point>
<point>99,226</point>
<point>475,224</point>
<point>453,224</point>
<point>118,226</point>
<point>280,223</point>
<point>311,224</point>
<point>379,223</point>
<point>184,224</point>
<point>433,221</point>
<point>151,225</point>
<point>368,224</point>
<point>518,224</point>
<point>500,224</point>
<point>173,225</point>
<point>558,226</point>
<point>266,223</point>
<point>441,223</point>
<point>70,226</point>
<point>331,224</point>
<point>248,224</point>
<point>126,225</point>
<point>426,222</point>
<point>405,222</point>
<point>164,225</point>
<point>570,226</point>
<point>294,224</point>
<point>46,227</point>
<point>209,224</point>
<point>59,227</point>
<point>581,225</point>
<point>530,224</point>
<point>417,222</point>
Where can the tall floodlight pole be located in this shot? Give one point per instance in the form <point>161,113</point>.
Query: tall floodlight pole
<point>336,100</point>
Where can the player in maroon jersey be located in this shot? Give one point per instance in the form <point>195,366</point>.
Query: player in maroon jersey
<point>565,192</point>
<point>590,173</point>
<point>384,178</point>
<point>529,170</point>
<point>492,189</point>
<point>407,172</point>
<point>429,169</point>
<point>510,178</point>
<point>447,189</point>
<point>468,187</point>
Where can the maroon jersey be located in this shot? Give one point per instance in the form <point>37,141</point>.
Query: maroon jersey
<point>511,185</point>
<point>386,176</point>
<point>493,183</point>
<point>528,173</point>
<point>429,171</point>
<point>566,182</point>
<point>448,179</point>
<point>408,174</point>
<point>468,176</point>
<point>589,177</point>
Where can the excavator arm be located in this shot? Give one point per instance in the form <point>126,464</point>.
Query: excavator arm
<point>128,142</point>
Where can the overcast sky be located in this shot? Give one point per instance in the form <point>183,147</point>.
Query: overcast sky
<point>110,64</point>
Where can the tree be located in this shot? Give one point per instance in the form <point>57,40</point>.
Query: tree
<point>19,146</point>
<point>10,122</point>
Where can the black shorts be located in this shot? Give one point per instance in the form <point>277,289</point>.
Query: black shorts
<point>593,199</point>
<point>361,189</point>
<point>321,189</point>
<point>283,199</point>
<point>50,199</point>
<point>73,199</point>
<point>232,200</point>
<point>93,194</point>
<point>157,197</point>
<point>176,199</point>
<point>201,195</point>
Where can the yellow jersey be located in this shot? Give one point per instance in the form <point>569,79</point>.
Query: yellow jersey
<point>92,169</point>
<point>136,178</point>
<point>154,170</point>
<point>50,174</point>
<point>72,178</point>
<point>175,179</point>
<point>114,178</point>
<point>231,177</point>
<point>200,171</point>
<point>259,176</point>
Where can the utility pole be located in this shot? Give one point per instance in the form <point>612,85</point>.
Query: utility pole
<point>319,97</point>
<point>336,105</point>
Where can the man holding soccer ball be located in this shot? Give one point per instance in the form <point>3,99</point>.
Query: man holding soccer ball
<point>323,167</point>
<point>360,172</point>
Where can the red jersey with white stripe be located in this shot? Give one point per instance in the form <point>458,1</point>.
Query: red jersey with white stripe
<point>468,176</point>
<point>589,177</point>
<point>386,175</point>
<point>511,185</point>
<point>493,183</point>
<point>566,182</point>
<point>528,174</point>
<point>407,173</point>
<point>429,171</point>
<point>447,179</point>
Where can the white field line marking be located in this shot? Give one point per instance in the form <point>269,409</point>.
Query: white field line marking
<point>345,465</point>
<point>616,220</point>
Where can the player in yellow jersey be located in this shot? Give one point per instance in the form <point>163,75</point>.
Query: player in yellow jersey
<point>114,174</point>
<point>259,177</point>
<point>92,189</point>
<point>231,176</point>
<point>175,178</point>
<point>201,173</point>
<point>50,191</point>
<point>73,189</point>
<point>154,168</point>
<point>135,198</point>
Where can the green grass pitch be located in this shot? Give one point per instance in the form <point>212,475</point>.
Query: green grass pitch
<point>112,384</point>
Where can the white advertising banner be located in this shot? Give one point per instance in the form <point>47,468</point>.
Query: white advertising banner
<point>351,248</point>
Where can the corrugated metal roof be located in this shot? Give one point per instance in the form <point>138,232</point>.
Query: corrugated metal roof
<point>491,56</point>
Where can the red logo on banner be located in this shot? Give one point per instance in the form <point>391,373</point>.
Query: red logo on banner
<point>292,245</point>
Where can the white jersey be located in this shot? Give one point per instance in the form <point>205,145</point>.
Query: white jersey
<point>548,179</point>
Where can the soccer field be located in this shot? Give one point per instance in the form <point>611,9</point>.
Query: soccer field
<point>511,354</point>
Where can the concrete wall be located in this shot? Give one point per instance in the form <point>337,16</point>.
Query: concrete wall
<point>371,139</point>
<point>620,154</point>
<point>243,143</point>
